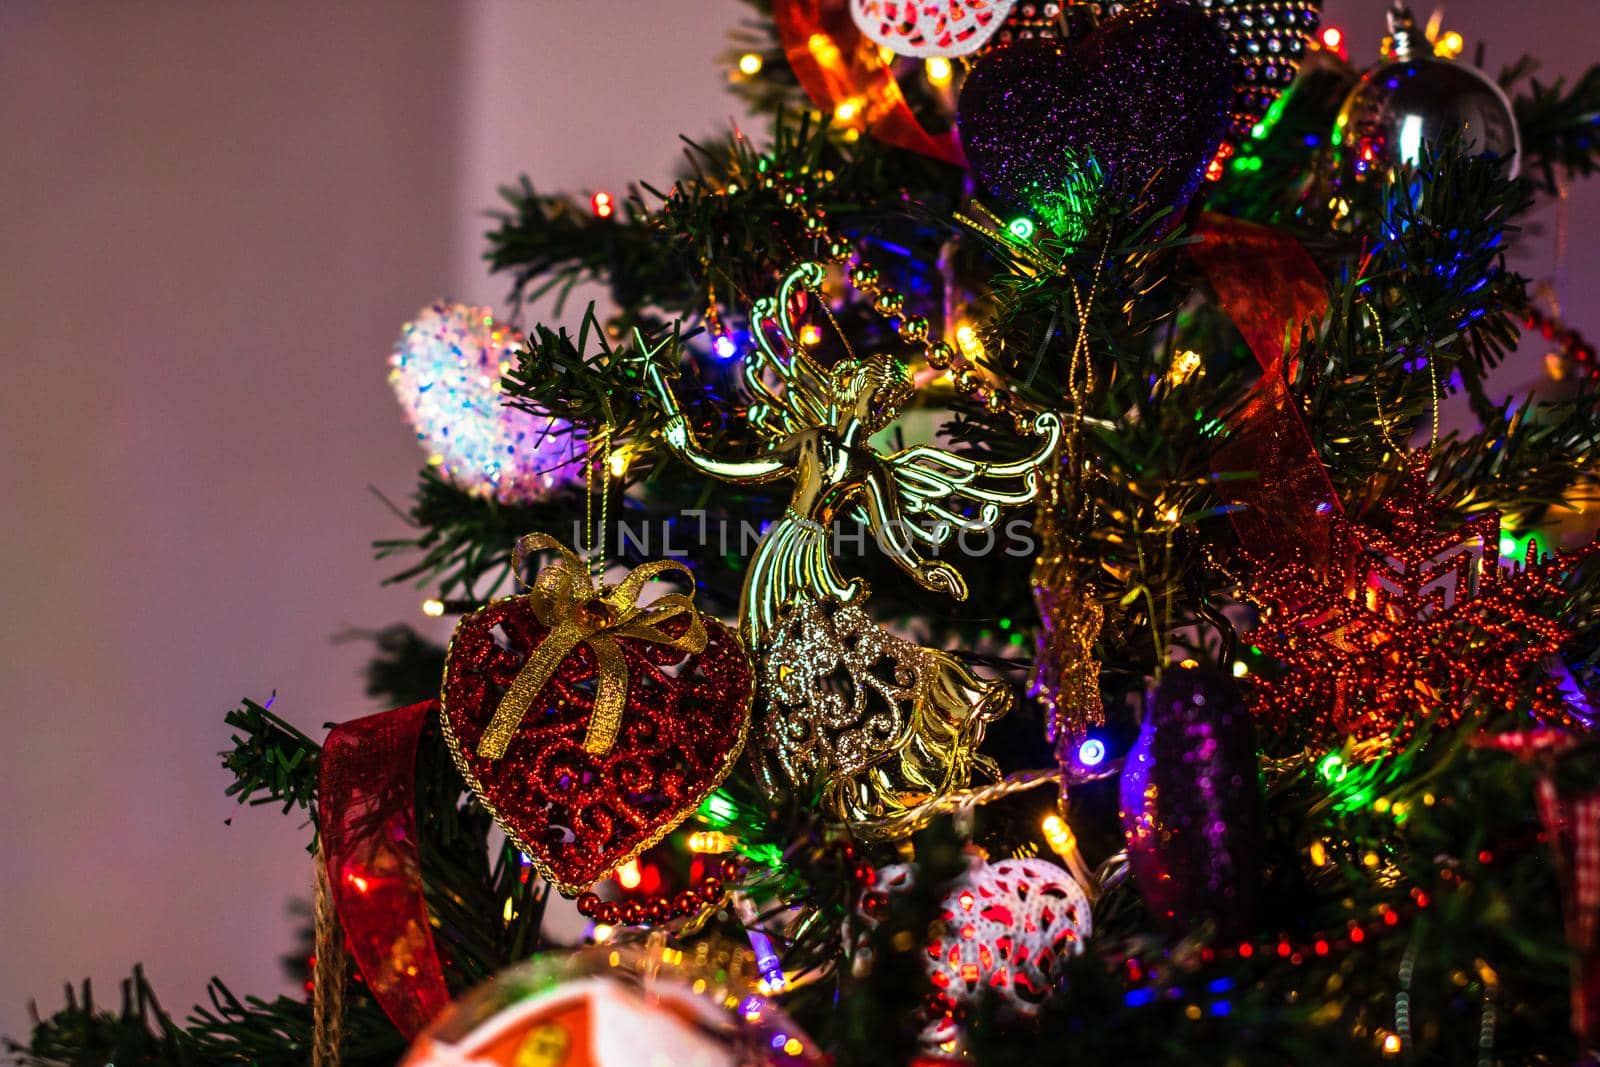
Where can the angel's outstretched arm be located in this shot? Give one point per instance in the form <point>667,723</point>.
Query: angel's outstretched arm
<point>681,440</point>
<point>749,471</point>
<point>896,538</point>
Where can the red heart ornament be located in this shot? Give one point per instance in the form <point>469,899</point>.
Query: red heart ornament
<point>578,814</point>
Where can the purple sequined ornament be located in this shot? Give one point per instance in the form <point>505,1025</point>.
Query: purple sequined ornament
<point>1147,96</point>
<point>1191,805</point>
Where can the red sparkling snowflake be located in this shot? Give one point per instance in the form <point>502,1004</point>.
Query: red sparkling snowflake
<point>1411,627</point>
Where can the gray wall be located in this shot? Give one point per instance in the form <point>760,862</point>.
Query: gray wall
<point>213,220</point>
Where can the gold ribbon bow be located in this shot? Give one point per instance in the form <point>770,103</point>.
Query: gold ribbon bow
<point>578,611</point>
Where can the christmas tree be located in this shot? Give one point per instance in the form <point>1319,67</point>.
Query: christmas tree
<point>998,585</point>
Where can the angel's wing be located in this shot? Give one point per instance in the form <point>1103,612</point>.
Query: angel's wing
<point>789,392</point>
<point>937,489</point>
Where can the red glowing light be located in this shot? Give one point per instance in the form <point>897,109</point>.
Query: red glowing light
<point>604,206</point>
<point>1332,38</point>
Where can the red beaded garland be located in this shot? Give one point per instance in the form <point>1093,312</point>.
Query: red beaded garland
<point>1574,352</point>
<point>659,909</point>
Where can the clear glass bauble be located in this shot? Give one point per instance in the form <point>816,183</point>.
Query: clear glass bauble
<point>1400,107</point>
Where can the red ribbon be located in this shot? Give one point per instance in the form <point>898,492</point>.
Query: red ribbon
<point>836,64</point>
<point>1271,289</point>
<point>366,821</point>
<point>1572,823</point>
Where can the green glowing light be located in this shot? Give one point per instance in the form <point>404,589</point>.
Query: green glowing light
<point>1516,548</point>
<point>1274,115</point>
<point>766,854</point>
<point>718,810</point>
<point>1021,228</point>
<point>1005,624</point>
<point>1332,769</point>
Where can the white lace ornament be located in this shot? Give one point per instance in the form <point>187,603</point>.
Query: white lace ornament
<point>1008,927</point>
<point>926,28</point>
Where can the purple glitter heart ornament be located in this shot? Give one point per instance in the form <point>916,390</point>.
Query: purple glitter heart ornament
<point>1147,96</point>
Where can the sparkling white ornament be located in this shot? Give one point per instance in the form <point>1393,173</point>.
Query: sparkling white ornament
<point>930,28</point>
<point>445,370</point>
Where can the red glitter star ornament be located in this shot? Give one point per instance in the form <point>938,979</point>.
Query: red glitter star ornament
<point>1412,627</point>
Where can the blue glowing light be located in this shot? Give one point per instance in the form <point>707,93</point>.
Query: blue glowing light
<point>1092,752</point>
<point>724,347</point>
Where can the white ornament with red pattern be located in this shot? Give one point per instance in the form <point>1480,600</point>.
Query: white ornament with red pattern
<point>928,28</point>
<point>1008,927</point>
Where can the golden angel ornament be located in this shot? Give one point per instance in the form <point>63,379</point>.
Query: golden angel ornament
<point>906,726</point>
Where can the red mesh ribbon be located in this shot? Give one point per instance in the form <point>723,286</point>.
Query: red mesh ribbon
<point>836,64</point>
<point>1572,822</point>
<point>366,814</point>
<point>1270,287</point>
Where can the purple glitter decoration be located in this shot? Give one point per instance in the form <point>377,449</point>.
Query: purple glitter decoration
<point>1191,805</point>
<point>1146,96</point>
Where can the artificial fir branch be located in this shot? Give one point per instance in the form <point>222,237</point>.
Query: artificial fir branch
<point>464,540</point>
<point>407,667</point>
<point>271,761</point>
<point>1560,126</point>
<point>139,1033</point>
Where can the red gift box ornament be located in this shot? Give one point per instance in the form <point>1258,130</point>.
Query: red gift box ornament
<point>590,725</point>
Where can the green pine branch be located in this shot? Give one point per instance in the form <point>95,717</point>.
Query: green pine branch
<point>1559,123</point>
